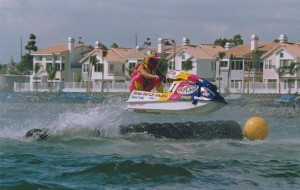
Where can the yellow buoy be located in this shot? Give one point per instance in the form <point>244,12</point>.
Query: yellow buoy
<point>256,128</point>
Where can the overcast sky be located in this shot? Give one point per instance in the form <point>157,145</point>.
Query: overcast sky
<point>117,21</point>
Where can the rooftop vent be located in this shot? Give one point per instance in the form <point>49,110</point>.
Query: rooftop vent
<point>229,45</point>
<point>97,45</point>
<point>283,38</point>
<point>185,41</point>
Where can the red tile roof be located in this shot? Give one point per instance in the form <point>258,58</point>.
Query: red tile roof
<point>56,49</point>
<point>244,50</point>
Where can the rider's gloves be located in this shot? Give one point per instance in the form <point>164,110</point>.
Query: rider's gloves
<point>157,77</point>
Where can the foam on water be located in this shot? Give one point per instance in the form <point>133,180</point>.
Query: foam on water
<point>106,119</point>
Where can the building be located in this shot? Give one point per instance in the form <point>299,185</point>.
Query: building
<point>282,67</point>
<point>242,67</point>
<point>114,69</point>
<point>110,69</point>
<point>65,60</point>
<point>202,59</point>
<point>249,68</point>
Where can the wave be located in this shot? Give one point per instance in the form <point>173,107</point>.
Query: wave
<point>30,185</point>
<point>117,172</point>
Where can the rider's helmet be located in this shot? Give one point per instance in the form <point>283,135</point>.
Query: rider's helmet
<point>151,59</point>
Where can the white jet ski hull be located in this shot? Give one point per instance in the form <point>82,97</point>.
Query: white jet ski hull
<point>201,107</point>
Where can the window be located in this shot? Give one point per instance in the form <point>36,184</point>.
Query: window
<point>62,66</point>
<point>289,83</point>
<point>38,58</point>
<point>57,66</point>
<point>85,68</point>
<point>281,55</point>
<point>268,64</point>
<point>240,65</point>
<point>98,67</point>
<point>48,66</point>
<point>235,83</point>
<point>171,65</point>
<point>49,58</point>
<point>285,62</point>
<point>224,64</point>
<point>271,83</point>
<point>213,66</point>
<point>56,57</point>
<point>131,66</point>
<point>292,83</point>
<point>111,68</point>
<point>183,57</point>
<point>248,65</point>
<point>237,65</point>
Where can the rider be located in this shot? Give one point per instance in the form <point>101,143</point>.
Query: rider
<point>145,75</point>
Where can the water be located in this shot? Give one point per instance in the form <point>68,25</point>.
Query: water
<point>77,157</point>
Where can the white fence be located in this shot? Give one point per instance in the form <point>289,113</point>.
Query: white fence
<point>259,88</point>
<point>71,87</point>
<point>254,88</point>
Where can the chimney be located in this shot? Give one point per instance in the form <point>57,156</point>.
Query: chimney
<point>228,45</point>
<point>283,38</point>
<point>254,42</point>
<point>97,45</point>
<point>161,45</point>
<point>71,45</point>
<point>185,41</point>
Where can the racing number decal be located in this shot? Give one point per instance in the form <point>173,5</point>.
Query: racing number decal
<point>173,86</point>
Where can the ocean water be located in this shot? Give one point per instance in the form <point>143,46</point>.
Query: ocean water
<point>86,150</point>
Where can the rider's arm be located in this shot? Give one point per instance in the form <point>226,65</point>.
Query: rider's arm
<point>142,71</point>
<point>160,74</point>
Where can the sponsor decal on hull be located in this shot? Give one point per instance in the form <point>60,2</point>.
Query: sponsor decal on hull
<point>187,89</point>
<point>151,94</point>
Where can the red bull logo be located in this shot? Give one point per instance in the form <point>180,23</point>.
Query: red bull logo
<point>187,89</point>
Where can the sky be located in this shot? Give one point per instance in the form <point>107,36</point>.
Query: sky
<point>124,21</point>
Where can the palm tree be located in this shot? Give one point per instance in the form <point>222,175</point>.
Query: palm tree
<point>163,66</point>
<point>219,58</point>
<point>229,73</point>
<point>51,75</point>
<point>254,57</point>
<point>291,70</point>
<point>255,54</point>
<point>92,62</point>
<point>147,43</point>
<point>187,65</point>
<point>37,67</point>
<point>280,72</point>
<point>104,54</point>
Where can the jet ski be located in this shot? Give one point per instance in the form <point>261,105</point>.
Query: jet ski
<point>188,93</point>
